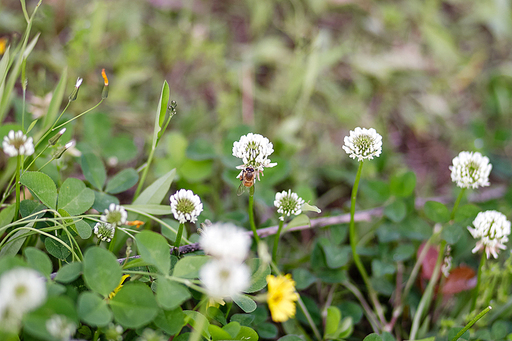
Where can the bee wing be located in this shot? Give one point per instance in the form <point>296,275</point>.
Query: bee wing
<point>241,189</point>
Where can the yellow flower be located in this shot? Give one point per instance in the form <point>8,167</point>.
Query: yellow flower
<point>116,290</point>
<point>281,297</point>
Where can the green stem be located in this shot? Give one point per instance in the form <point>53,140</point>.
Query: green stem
<point>471,323</point>
<point>457,202</point>
<point>308,317</point>
<point>112,243</point>
<point>353,245</point>
<point>54,123</point>
<point>177,242</point>
<point>477,287</point>
<point>276,241</point>
<point>96,335</point>
<point>18,164</point>
<point>251,215</point>
<point>74,118</point>
<point>144,174</point>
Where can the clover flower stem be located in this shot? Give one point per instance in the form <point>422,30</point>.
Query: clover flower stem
<point>178,240</point>
<point>426,299</point>
<point>276,241</point>
<point>457,202</point>
<point>53,125</point>
<point>18,164</point>
<point>251,215</point>
<point>471,323</point>
<point>144,173</point>
<point>74,118</point>
<point>353,244</point>
<point>478,280</point>
<point>308,317</point>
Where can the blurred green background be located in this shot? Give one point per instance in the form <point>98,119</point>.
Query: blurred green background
<point>433,77</point>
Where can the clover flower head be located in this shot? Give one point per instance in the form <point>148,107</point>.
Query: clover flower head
<point>114,332</point>
<point>281,297</point>
<point>151,335</point>
<point>447,262</point>
<point>21,290</point>
<point>16,143</point>
<point>186,206</point>
<point>104,231</point>
<point>225,241</point>
<point>471,170</point>
<point>223,279</point>
<point>363,144</point>
<point>288,203</point>
<point>493,229</point>
<point>254,150</point>
<point>60,327</point>
<point>115,215</point>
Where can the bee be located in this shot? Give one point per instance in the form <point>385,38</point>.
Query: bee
<point>247,177</point>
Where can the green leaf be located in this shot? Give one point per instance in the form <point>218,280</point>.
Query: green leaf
<point>151,209</point>
<point>232,328</point>
<point>300,220</point>
<point>160,113</point>
<point>373,337</point>
<point>69,272</point>
<point>267,330</point>
<point>188,267</point>
<point>331,322</point>
<point>170,321</point>
<point>303,278</point>
<point>155,193</point>
<point>244,319</point>
<point>466,214</point>
<point>306,207</point>
<point>7,214</point>
<point>122,181</point>
<point>197,321</point>
<point>245,303</point>
<point>102,272</point>
<point>103,200</point>
<point>218,333</point>
<point>291,338</point>
<point>42,186</point>
<point>84,230</point>
<point>214,313</point>
<point>38,260</point>
<point>134,305</point>
<point>403,185</point>
<point>93,310</point>
<point>74,197</point>
<point>436,211</point>
<point>15,242</point>
<point>93,169</point>
<point>170,294</point>
<point>336,256</point>
<point>247,334</point>
<point>57,249</point>
<point>196,171</point>
<point>396,211</point>
<point>153,249</point>
<point>259,273</point>
<point>452,233</point>
<point>381,268</point>
<point>403,252</point>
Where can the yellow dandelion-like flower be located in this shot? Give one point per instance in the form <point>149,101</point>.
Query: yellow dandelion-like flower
<point>116,290</point>
<point>281,297</point>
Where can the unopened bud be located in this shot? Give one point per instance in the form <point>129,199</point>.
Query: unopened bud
<point>74,94</point>
<point>104,93</point>
<point>63,149</point>
<point>53,140</point>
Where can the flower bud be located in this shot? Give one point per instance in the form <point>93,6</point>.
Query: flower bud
<point>104,93</point>
<point>74,94</point>
<point>53,140</point>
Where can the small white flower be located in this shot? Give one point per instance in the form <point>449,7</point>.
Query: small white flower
<point>16,143</point>
<point>78,82</point>
<point>151,335</point>
<point>447,262</point>
<point>60,327</point>
<point>114,332</point>
<point>225,241</point>
<point>223,279</point>
<point>363,144</point>
<point>21,290</point>
<point>493,229</point>
<point>115,215</point>
<point>254,150</point>
<point>471,170</point>
<point>104,231</point>
<point>186,206</point>
<point>288,203</point>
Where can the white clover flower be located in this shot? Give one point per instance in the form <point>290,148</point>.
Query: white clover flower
<point>16,143</point>
<point>225,241</point>
<point>223,279</point>
<point>115,215</point>
<point>21,290</point>
<point>288,203</point>
<point>471,170</point>
<point>104,231</point>
<point>254,150</point>
<point>186,206</point>
<point>493,228</point>
<point>60,327</point>
<point>151,335</point>
<point>114,332</point>
<point>447,262</point>
<point>363,144</point>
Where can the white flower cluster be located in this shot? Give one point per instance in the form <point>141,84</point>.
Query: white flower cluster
<point>151,335</point>
<point>104,231</point>
<point>471,170</point>
<point>288,203</point>
<point>21,290</point>
<point>447,262</point>
<point>16,143</point>
<point>186,206</point>
<point>115,215</point>
<point>225,275</point>
<point>60,328</point>
<point>254,150</point>
<point>114,332</point>
<point>493,229</point>
<point>363,144</point>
